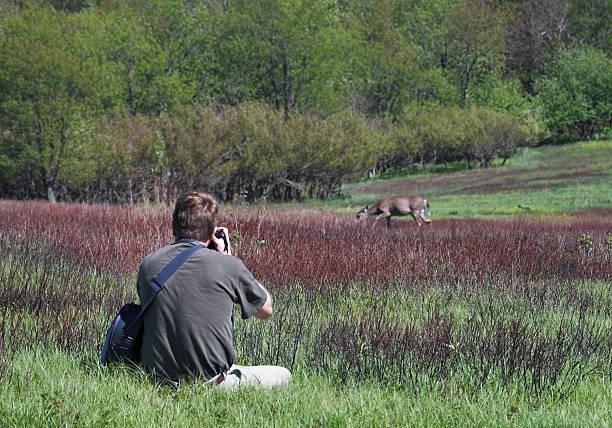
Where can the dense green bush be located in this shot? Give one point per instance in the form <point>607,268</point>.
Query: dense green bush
<point>251,152</point>
<point>477,135</point>
<point>575,92</point>
<point>494,135</point>
<point>245,152</point>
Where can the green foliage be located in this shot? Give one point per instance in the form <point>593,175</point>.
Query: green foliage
<point>249,151</point>
<point>389,60</point>
<point>495,135</point>
<point>575,92</point>
<point>376,72</point>
<point>474,43</point>
<point>50,97</point>
<point>447,134</point>
<point>149,82</point>
<point>505,94</point>
<point>590,22</point>
<point>291,53</point>
<point>501,93</point>
<point>334,150</point>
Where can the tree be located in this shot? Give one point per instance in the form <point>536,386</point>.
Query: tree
<point>52,85</point>
<point>493,134</point>
<point>182,35</point>
<point>150,81</point>
<point>388,59</point>
<point>535,31</point>
<point>590,23</point>
<point>424,23</point>
<point>475,42</point>
<point>330,151</point>
<point>575,93</point>
<point>290,53</point>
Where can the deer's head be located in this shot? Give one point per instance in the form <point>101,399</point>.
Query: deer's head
<point>363,213</point>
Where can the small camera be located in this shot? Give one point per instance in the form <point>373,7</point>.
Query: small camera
<point>219,234</point>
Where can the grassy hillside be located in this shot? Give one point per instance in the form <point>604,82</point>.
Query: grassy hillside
<point>467,323</point>
<point>549,180</point>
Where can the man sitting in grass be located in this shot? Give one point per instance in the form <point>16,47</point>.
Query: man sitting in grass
<point>188,331</point>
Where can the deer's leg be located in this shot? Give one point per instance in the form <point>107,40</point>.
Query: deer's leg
<point>389,222</point>
<point>382,215</point>
<point>416,218</point>
<point>422,215</point>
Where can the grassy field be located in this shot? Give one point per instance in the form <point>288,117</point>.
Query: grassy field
<point>550,179</point>
<point>55,389</point>
<point>486,318</point>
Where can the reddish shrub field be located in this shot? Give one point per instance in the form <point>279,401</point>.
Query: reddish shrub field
<point>504,300</point>
<point>316,248</point>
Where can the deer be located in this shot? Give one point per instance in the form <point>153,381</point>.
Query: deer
<point>414,206</point>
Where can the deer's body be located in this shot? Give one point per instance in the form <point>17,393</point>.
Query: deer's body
<point>414,206</point>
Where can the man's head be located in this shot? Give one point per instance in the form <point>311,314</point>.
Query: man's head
<point>195,216</point>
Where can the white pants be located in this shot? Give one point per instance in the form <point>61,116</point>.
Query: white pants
<point>259,376</point>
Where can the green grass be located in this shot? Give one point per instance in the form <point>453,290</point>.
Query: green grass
<point>506,204</point>
<point>550,179</point>
<point>55,389</point>
<point>404,305</point>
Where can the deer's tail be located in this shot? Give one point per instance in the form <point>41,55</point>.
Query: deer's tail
<point>427,207</point>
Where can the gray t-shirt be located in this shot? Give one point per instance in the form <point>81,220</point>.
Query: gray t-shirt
<point>188,328</point>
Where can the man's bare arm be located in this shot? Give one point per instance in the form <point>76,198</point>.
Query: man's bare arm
<point>265,311</point>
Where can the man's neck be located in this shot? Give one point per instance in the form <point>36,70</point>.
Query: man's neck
<point>195,241</point>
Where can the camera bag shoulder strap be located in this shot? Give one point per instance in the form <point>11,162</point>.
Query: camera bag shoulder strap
<point>122,341</point>
<point>159,281</point>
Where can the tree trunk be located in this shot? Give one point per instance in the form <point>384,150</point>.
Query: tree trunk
<point>51,195</point>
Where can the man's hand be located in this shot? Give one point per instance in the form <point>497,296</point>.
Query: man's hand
<point>219,243</point>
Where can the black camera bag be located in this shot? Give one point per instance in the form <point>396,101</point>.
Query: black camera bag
<point>124,336</point>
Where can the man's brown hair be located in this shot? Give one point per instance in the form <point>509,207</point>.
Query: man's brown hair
<point>195,216</point>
